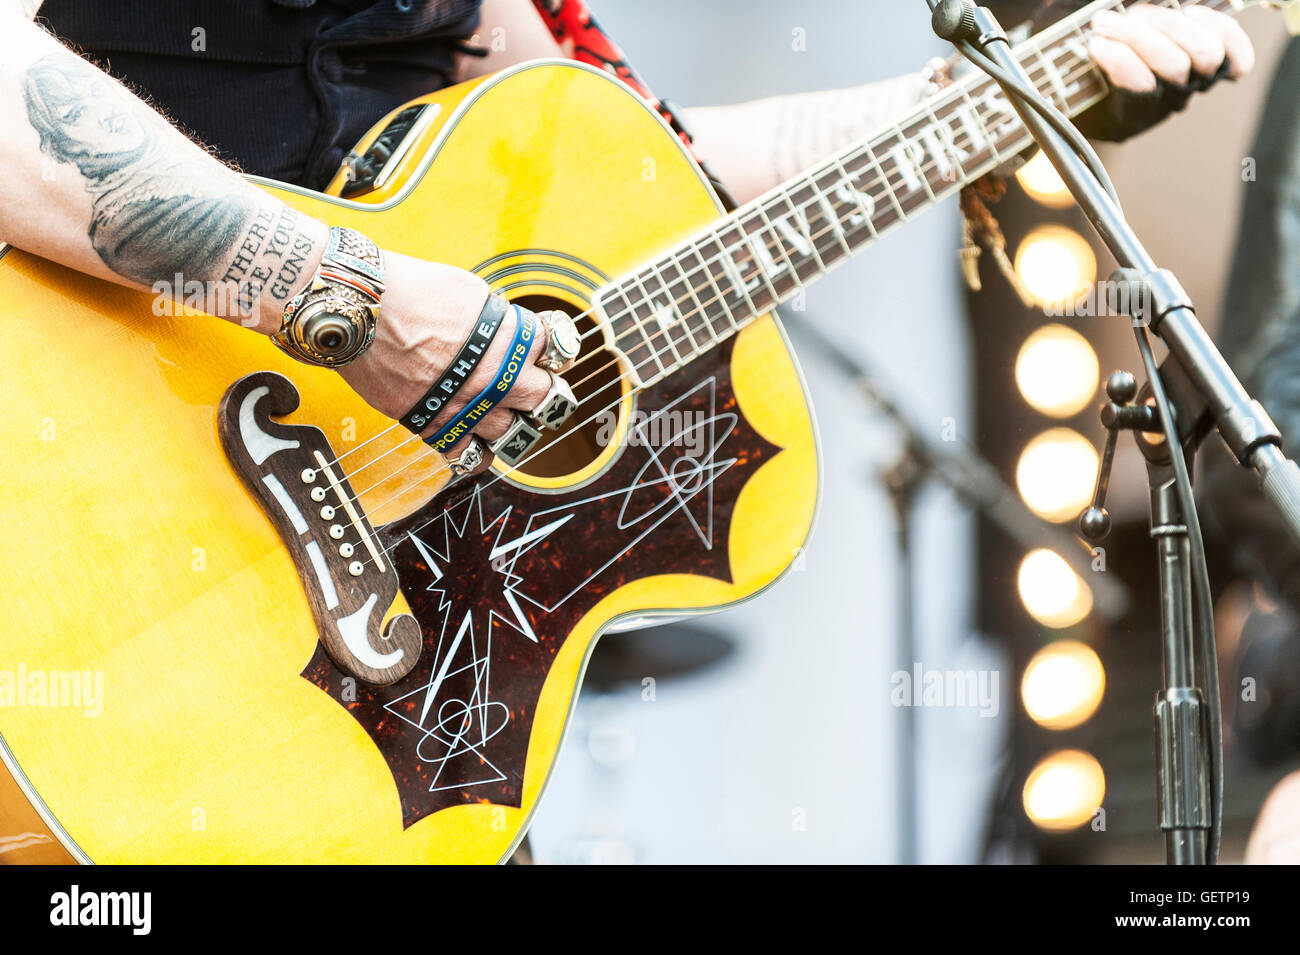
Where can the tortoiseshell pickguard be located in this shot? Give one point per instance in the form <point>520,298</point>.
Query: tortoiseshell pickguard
<point>498,576</point>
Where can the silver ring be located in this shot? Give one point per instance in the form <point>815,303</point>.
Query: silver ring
<point>519,439</point>
<point>562,342</point>
<point>559,403</point>
<point>474,457</point>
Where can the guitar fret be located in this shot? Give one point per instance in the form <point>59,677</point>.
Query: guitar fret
<point>884,178</point>
<point>940,142</point>
<point>802,239</point>
<point>705,290</point>
<point>699,310</point>
<point>714,265</point>
<point>775,270</point>
<point>665,319</point>
<point>1055,83</point>
<point>823,224</point>
<point>656,328</point>
<point>646,347</point>
<point>909,157</point>
<point>719,300</point>
<point>824,194</point>
<point>970,117</point>
<point>701,325</point>
<point>738,245</point>
<point>849,192</point>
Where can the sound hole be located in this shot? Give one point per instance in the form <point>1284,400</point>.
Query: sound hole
<point>596,380</point>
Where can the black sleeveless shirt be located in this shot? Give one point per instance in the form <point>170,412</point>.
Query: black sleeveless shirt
<point>281,88</point>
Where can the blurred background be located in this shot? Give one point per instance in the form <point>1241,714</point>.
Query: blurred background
<point>774,732</point>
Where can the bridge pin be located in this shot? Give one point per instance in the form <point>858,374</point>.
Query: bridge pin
<point>355,568</point>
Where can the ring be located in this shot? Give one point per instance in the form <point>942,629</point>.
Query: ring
<point>519,439</point>
<point>525,430</point>
<point>562,342</point>
<point>474,457</point>
<point>556,407</point>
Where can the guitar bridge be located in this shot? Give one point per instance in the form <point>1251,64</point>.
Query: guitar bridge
<point>349,580</point>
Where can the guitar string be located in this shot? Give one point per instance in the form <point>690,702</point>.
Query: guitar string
<point>443,469</point>
<point>840,253</point>
<point>1035,47</point>
<point>736,221</point>
<point>1057,37</point>
<point>1068,29</point>
<point>686,276</point>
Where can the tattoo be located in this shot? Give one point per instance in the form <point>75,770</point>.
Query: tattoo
<point>270,258</point>
<point>156,210</point>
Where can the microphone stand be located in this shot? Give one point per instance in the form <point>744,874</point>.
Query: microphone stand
<point>1188,728</point>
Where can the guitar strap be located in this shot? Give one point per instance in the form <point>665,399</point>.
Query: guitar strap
<point>582,39</point>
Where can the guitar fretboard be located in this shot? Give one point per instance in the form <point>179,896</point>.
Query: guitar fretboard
<point>709,287</point>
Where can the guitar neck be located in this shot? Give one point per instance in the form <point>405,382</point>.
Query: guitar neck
<point>707,288</point>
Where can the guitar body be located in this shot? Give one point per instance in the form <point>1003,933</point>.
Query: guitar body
<point>141,569</point>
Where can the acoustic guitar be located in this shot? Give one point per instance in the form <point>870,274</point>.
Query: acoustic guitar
<point>247,620</point>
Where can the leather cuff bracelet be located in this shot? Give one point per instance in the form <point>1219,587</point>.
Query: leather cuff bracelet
<point>461,367</point>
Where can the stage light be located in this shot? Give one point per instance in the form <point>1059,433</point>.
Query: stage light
<point>1056,473</point>
<point>1064,790</point>
<point>1043,183</point>
<point>1057,371</point>
<point>1063,685</point>
<point>1056,265</point>
<point>1052,593</point>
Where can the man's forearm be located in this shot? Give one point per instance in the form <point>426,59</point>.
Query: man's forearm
<point>756,145</point>
<point>98,181</point>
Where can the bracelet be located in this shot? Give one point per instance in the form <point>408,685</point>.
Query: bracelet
<point>487,399</point>
<point>461,367</point>
<point>331,322</point>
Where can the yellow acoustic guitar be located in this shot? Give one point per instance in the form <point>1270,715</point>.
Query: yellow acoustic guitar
<point>246,621</point>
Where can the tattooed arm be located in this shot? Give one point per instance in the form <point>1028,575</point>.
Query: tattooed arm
<point>96,180</point>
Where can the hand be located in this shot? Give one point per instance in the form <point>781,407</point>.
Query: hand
<point>1155,58</point>
<point>425,315</point>
<point>1148,43</point>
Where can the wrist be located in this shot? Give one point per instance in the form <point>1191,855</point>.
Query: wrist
<point>284,269</point>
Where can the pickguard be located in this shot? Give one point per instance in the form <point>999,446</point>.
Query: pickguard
<point>498,576</point>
